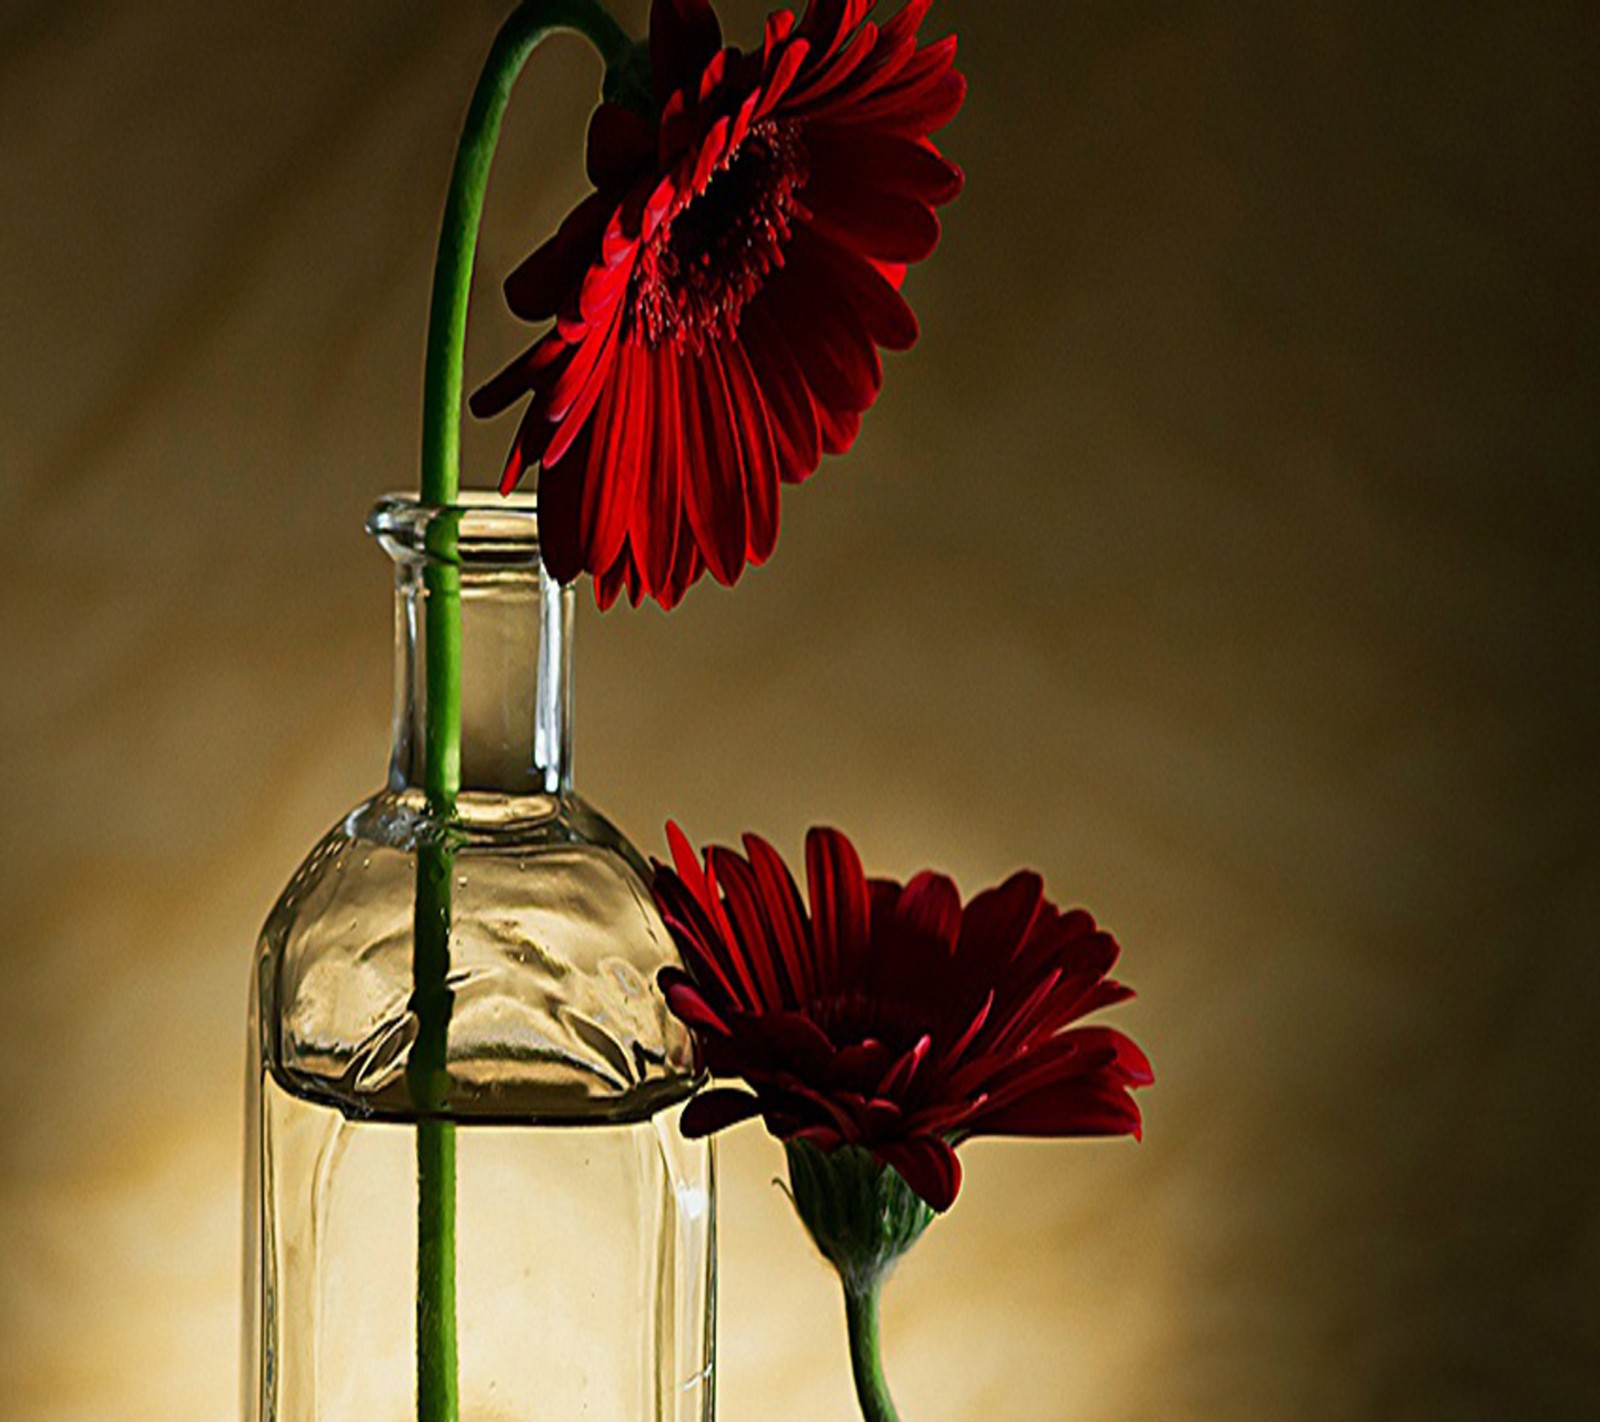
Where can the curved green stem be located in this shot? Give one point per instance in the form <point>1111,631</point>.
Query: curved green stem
<point>530,23</point>
<point>866,1359</point>
<point>438,1393</point>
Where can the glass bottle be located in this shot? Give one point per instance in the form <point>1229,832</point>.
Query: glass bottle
<point>583,1222</point>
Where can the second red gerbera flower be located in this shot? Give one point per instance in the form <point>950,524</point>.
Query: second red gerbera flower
<point>721,298</point>
<point>889,1018</point>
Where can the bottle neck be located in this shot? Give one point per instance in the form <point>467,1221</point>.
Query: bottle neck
<point>516,680</point>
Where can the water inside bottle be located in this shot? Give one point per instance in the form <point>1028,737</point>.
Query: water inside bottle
<point>580,1248</point>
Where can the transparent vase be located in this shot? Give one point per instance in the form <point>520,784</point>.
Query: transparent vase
<point>576,1275</point>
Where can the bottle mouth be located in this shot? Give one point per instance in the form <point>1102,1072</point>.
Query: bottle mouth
<point>481,529</point>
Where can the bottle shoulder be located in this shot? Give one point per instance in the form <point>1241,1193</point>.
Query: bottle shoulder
<point>555,946</point>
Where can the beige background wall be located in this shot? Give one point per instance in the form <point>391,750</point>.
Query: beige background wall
<point>1226,550</point>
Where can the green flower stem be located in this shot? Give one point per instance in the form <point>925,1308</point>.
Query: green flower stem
<point>438,1377</point>
<point>432,1000</point>
<point>863,1217</point>
<point>866,1359</point>
<point>438,1392</point>
<point>530,23</point>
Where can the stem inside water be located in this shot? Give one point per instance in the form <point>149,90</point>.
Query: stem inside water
<point>529,24</point>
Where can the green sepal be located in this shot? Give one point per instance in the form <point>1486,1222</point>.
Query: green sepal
<point>861,1213</point>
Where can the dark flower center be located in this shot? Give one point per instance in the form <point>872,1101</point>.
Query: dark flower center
<point>858,1016</point>
<point>712,253</point>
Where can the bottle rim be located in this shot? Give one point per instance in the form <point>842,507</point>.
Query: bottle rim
<point>481,528</point>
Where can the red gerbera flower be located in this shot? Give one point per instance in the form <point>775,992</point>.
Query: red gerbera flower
<point>889,1017</point>
<point>720,299</point>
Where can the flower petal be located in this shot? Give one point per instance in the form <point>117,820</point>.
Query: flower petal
<point>686,861</point>
<point>797,1043</point>
<point>784,916</point>
<point>931,904</point>
<point>541,285</point>
<point>839,429</point>
<point>783,73</point>
<point>884,312</point>
<point>714,486</point>
<point>995,924</point>
<point>870,221</point>
<point>889,162</point>
<point>560,499</point>
<point>792,414</point>
<point>833,72</point>
<point>1090,1056</point>
<point>698,940</point>
<point>621,143</point>
<point>611,465</point>
<point>657,506</point>
<point>743,904</point>
<point>684,35</point>
<point>1067,1108</point>
<point>529,372</point>
<point>748,412</point>
<point>715,1110</point>
<point>928,1166</point>
<point>830,342</point>
<point>533,436</point>
<point>895,1084</point>
<point>826,23</point>
<point>838,904</point>
<point>688,1006</point>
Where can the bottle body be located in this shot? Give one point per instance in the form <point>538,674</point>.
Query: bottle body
<point>580,1224</point>
<point>583,1268</point>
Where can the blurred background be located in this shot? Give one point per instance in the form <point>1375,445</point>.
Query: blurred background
<point>1226,549</point>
